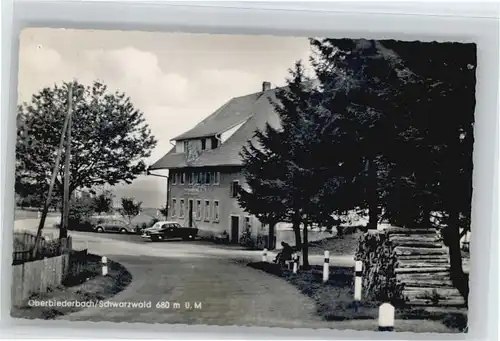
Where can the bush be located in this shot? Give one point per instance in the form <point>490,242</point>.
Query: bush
<point>80,214</point>
<point>246,239</point>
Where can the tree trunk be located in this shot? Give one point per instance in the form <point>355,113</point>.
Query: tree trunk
<point>426,216</point>
<point>296,230</point>
<point>372,195</point>
<point>271,245</point>
<point>456,271</point>
<point>63,233</point>
<point>305,248</point>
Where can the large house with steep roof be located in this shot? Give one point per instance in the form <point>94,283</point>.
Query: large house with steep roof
<point>205,167</point>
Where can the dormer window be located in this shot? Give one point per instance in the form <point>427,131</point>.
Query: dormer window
<point>203,144</point>
<point>186,146</point>
<point>214,142</point>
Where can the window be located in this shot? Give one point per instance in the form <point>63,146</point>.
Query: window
<point>198,209</point>
<point>207,177</point>
<point>181,209</point>
<point>216,211</point>
<point>199,178</point>
<point>234,188</point>
<point>190,178</point>
<point>203,144</point>
<point>216,178</point>
<point>214,142</point>
<point>207,210</point>
<point>174,206</point>
<point>174,178</point>
<point>186,146</point>
<point>248,223</point>
<point>183,178</point>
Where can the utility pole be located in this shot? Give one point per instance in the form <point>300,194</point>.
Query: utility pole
<point>52,182</point>
<point>63,232</point>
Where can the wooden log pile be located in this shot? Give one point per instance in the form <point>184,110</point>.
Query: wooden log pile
<point>412,263</point>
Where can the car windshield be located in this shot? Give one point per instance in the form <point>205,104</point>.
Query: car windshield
<point>157,225</point>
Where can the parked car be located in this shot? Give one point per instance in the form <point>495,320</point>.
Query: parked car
<point>167,230</point>
<point>114,225</point>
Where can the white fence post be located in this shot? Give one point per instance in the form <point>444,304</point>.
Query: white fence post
<point>358,272</point>
<point>104,266</point>
<point>326,267</point>
<point>264,255</point>
<point>295,262</point>
<point>386,318</point>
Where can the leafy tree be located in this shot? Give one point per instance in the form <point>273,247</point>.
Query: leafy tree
<point>81,210</point>
<point>130,208</point>
<point>103,202</point>
<point>164,211</point>
<point>109,139</point>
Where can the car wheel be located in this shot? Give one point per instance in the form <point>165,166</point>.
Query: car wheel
<point>123,230</point>
<point>99,229</point>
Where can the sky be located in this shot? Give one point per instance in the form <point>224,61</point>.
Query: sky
<point>175,79</point>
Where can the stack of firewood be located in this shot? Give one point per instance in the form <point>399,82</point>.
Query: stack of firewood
<point>409,265</point>
<point>423,268</point>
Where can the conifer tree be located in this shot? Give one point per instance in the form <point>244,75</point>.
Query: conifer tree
<point>292,172</point>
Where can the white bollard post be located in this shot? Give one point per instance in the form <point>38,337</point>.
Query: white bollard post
<point>38,214</point>
<point>295,262</point>
<point>358,272</point>
<point>264,255</point>
<point>104,266</point>
<point>326,267</point>
<point>386,318</point>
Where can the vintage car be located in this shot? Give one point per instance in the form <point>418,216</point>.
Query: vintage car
<point>169,230</point>
<point>114,225</point>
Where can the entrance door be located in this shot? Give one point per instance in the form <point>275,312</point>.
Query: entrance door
<point>190,212</point>
<point>235,229</point>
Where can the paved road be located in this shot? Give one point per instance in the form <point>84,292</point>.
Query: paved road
<point>202,273</point>
<point>117,244</point>
<point>195,273</point>
<point>228,293</point>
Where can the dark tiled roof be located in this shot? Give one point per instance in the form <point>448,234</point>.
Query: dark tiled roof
<point>254,109</point>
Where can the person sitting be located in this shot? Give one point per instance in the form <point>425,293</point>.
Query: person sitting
<point>225,237</point>
<point>285,254</point>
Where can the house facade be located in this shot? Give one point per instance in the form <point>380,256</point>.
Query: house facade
<point>205,167</point>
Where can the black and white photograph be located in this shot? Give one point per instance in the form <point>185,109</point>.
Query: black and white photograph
<point>243,180</point>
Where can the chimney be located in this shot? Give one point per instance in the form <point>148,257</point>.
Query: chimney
<point>266,86</point>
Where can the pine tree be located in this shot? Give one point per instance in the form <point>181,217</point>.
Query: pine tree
<point>292,172</point>
<point>356,78</point>
<point>444,119</point>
